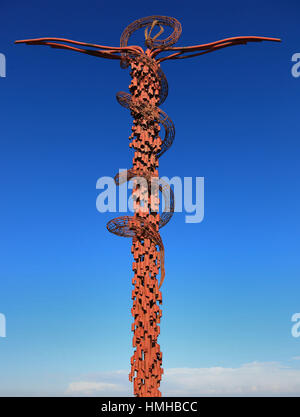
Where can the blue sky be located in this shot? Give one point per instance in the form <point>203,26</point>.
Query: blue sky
<point>232,281</point>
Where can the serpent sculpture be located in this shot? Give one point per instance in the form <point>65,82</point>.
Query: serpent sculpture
<point>148,90</point>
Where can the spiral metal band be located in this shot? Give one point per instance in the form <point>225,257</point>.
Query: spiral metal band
<point>146,21</point>
<point>125,225</point>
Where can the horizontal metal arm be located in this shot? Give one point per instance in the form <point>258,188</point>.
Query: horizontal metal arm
<point>101,51</point>
<point>208,47</point>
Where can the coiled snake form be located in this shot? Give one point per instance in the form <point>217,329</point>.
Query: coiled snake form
<point>149,89</point>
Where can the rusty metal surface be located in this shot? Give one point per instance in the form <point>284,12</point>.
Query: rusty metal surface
<point>143,227</point>
<point>148,90</point>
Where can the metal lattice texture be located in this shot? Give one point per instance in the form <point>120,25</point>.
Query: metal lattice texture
<point>151,113</point>
<point>155,67</point>
<point>143,227</point>
<point>155,183</point>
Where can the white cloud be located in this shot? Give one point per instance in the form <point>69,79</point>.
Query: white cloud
<point>113,383</point>
<point>255,378</point>
<point>296,358</point>
<point>251,379</point>
<point>87,387</point>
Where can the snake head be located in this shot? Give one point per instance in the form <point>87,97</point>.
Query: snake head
<point>148,39</point>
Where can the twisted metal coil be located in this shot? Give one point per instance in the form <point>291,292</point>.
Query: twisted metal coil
<point>153,113</point>
<point>153,43</point>
<point>128,226</point>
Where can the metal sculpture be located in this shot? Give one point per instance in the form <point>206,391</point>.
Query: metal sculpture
<point>149,89</point>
